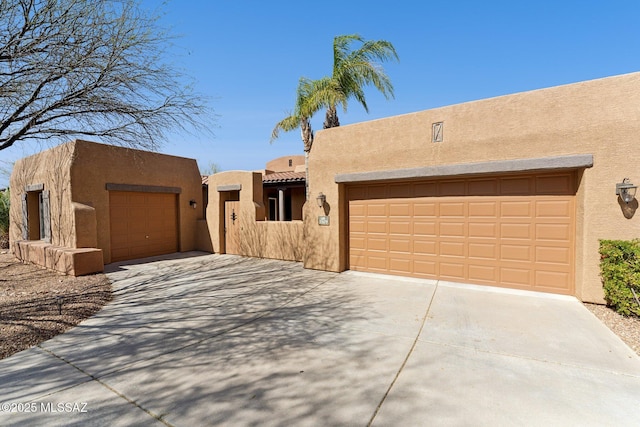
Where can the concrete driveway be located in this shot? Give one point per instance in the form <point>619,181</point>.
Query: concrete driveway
<point>222,340</point>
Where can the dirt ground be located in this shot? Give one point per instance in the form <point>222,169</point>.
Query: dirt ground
<point>37,304</point>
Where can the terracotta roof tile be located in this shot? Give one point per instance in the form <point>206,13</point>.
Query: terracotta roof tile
<point>284,177</point>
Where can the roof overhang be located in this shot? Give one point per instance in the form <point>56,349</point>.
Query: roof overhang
<point>541,164</point>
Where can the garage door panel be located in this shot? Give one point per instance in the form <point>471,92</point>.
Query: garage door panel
<point>399,227</point>
<point>357,225</point>
<point>551,280</point>
<point>482,229</point>
<point>483,187</point>
<point>488,251</point>
<point>483,210</point>
<point>377,191</point>
<point>399,265</point>
<point>399,209</point>
<point>451,210</point>
<point>377,209</point>
<point>507,231</point>
<point>377,263</point>
<point>554,184</point>
<point>400,245</point>
<point>454,271</point>
<point>553,231</point>
<point>425,267</point>
<point>556,255</point>
<point>452,249</point>
<point>421,228</point>
<point>510,230</point>
<point>357,243</point>
<point>377,226</point>
<point>517,209</point>
<point>516,186</point>
<point>374,244</point>
<point>516,252</point>
<point>516,276</point>
<point>399,190</point>
<point>424,209</point>
<point>426,247</point>
<point>452,229</point>
<point>142,224</point>
<point>452,188</point>
<point>483,273</point>
<point>357,209</point>
<point>554,209</point>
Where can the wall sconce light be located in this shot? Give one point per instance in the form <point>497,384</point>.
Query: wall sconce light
<point>321,199</point>
<point>193,204</point>
<point>626,190</point>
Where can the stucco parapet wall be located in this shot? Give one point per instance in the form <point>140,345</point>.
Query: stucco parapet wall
<point>229,187</point>
<point>578,161</point>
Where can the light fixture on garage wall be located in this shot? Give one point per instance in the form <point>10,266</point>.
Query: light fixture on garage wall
<point>626,190</point>
<point>193,203</point>
<point>321,199</point>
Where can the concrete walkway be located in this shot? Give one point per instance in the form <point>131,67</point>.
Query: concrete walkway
<point>222,340</point>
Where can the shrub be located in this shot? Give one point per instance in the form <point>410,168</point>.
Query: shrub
<point>4,219</point>
<point>620,271</point>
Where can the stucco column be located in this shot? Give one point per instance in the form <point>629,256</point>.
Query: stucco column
<point>280,204</point>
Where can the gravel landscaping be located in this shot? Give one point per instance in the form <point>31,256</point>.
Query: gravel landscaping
<point>627,328</point>
<point>37,304</point>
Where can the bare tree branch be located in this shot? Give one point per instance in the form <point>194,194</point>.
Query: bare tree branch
<point>90,68</point>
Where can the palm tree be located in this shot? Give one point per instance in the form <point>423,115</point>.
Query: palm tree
<point>304,109</point>
<point>352,71</point>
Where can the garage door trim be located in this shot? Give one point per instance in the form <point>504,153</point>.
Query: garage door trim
<point>542,164</point>
<point>143,188</point>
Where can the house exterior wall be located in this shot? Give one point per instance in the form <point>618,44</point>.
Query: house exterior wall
<point>77,174</point>
<point>599,117</point>
<point>52,169</point>
<point>95,165</point>
<point>281,164</point>
<point>258,238</point>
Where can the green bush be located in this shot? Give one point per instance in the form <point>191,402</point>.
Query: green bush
<point>620,270</point>
<point>4,219</point>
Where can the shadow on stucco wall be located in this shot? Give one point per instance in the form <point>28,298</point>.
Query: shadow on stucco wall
<point>628,209</point>
<point>272,239</point>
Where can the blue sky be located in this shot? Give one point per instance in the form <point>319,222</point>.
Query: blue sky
<point>247,57</point>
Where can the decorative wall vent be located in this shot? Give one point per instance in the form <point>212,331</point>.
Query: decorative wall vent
<point>437,132</point>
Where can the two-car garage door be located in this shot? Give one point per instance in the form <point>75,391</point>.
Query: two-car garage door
<point>511,231</point>
<point>142,224</point>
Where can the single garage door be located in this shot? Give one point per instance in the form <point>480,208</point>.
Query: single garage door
<point>509,231</point>
<point>142,224</point>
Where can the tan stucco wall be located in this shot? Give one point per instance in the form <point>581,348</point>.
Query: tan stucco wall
<point>76,173</point>
<point>250,196</point>
<point>281,164</point>
<point>600,117</point>
<point>258,238</point>
<point>95,165</point>
<point>53,169</point>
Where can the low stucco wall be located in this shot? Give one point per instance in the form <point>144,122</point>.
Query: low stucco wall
<point>273,239</point>
<point>258,238</point>
<point>74,262</point>
<point>599,117</point>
